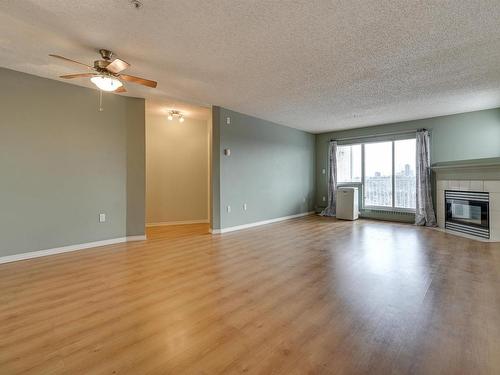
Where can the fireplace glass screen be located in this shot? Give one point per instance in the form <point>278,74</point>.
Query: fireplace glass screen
<point>468,212</point>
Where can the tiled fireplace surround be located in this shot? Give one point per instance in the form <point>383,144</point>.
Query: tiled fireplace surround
<point>490,186</point>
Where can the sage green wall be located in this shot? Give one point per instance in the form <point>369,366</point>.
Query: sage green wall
<point>271,168</point>
<point>215,159</point>
<point>62,162</point>
<point>136,164</point>
<point>472,135</point>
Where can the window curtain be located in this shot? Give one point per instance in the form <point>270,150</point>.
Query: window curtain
<point>332,181</point>
<point>424,213</point>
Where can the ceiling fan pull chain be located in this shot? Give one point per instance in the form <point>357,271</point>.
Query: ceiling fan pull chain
<point>100,101</point>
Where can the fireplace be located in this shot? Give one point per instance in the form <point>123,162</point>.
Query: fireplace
<point>467,212</point>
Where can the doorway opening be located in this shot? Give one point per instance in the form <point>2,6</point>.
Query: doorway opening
<point>178,137</point>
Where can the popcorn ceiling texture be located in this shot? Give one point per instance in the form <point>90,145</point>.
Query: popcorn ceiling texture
<point>312,65</point>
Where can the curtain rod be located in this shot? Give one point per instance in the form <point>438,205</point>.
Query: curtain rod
<point>376,135</point>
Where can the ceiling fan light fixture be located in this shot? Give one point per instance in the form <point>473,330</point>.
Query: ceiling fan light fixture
<point>181,119</point>
<point>107,74</point>
<point>106,83</point>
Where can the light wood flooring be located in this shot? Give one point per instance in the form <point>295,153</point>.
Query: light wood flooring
<point>305,296</point>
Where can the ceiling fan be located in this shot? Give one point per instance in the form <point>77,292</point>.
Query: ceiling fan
<point>105,73</point>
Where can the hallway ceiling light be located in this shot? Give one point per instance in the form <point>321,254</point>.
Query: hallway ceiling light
<point>173,113</point>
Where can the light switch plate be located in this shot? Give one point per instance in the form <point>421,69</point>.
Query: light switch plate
<point>228,120</point>
<point>323,171</point>
<point>245,206</point>
<point>227,151</point>
<point>102,218</point>
<point>228,208</point>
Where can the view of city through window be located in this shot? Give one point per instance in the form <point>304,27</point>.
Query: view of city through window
<point>378,164</point>
<point>404,167</point>
<point>378,174</point>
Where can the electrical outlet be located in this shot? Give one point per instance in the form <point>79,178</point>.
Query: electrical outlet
<point>228,209</point>
<point>245,206</point>
<point>324,199</point>
<point>102,218</point>
<point>228,120</point>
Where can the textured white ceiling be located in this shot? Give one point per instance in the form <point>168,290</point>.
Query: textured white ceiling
<point>313,65</point>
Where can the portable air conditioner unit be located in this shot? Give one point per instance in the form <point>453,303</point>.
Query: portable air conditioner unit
<point>347,203</point>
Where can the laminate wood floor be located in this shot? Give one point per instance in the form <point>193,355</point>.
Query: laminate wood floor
<point>305,296</point>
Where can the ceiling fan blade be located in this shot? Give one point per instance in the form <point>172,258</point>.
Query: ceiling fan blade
<point>121,89</point>
<point>138,80</point>
<point>117,66</point>
<point>79,75</point>
<point>73,61</point>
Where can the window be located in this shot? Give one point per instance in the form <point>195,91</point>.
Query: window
<point>349,163</point>
<point>404,173</point>
<point>385,170</point>
<point>378,174</point>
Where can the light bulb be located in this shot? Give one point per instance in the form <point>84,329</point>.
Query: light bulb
<point>106,83</point>
<point>181,119</point>
<point>170,117</point>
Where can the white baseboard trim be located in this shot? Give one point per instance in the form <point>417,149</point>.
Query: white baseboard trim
<point>66,249</point>
<point>166,223</point>
<point>141,237</point>
<point>258,223</point>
